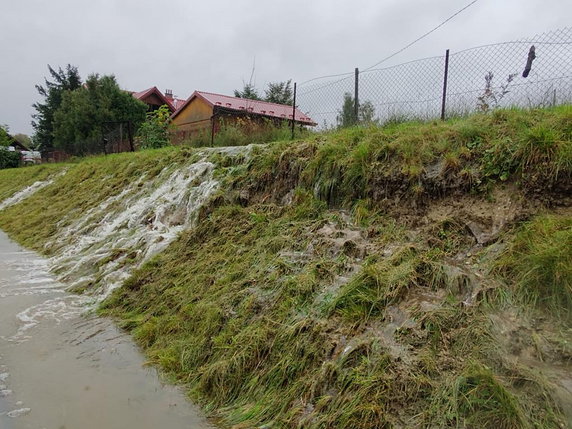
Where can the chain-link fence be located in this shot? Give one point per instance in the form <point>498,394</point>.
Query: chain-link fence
<point>112,137</point>
<point>531,72</point>
<point>117,136</point>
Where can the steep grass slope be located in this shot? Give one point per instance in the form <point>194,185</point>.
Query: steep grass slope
<point>416,275</point>
<point>17,179</point>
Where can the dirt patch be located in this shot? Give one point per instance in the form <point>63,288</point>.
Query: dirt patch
<point>543,348</point>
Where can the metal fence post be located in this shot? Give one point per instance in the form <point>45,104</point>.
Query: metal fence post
<point>294,111</point>
<point>445,78</point>
<point>356,97</point>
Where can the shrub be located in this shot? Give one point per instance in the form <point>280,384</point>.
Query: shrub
<point>242,132</point>
<point>9,159</point>
<point>154,132</point>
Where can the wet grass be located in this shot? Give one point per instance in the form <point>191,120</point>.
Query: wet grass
<point>84,185</point>
<point>478,398</point>
<point>270,322</point>
<point>13,180</point>
<point>226,311</point>
<point>537,266</point>
<point>418,160</point>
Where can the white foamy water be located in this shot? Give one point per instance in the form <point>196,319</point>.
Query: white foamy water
<point>127,229</point>
<point>98,251</point>
<point>30,277</point>
<point>19,412</point>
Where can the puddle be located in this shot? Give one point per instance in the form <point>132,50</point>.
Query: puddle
<point>61,368</point>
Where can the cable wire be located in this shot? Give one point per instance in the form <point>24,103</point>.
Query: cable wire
<point>423,36</point>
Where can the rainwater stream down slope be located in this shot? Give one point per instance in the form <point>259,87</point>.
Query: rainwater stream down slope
<point>63,367</point>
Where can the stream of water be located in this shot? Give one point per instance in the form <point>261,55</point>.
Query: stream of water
<point>63,369</point>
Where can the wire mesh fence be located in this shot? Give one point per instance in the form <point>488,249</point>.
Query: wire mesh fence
<point>531,72</point>
<point>117,136</point>
<point>112,137</point>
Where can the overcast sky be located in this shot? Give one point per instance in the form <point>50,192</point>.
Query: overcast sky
<point>185,45</point>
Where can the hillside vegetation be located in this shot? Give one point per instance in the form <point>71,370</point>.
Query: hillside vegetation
<point>415,275</point>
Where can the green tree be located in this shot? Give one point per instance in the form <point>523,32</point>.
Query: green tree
<point>154,132</point>
<point>347,117</point>
<point>248,91</point>
<point>43,120</point>
<point>5,138</point>
<point>366,111</point>
<point>8,159</point>
<point>83,112</point>
<point>279,92</point>
<point>276,92</point>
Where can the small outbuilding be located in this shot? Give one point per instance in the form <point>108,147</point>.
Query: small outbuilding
<point>15,145</point>
<point>27,156</point>
<point>206,112</point>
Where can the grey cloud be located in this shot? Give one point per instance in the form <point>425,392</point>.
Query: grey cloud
<point>188,45</point>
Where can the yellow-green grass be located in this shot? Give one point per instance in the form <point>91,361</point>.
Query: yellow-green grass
<point>268,326</point>
<point>84,185</point>
<point>13,180</point>
<point>261,338</point>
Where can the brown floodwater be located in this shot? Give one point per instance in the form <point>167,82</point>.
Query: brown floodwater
<point>61,367</point>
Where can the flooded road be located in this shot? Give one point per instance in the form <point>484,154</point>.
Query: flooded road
<point>62,369</point>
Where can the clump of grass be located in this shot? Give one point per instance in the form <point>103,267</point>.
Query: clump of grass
<point>538,264</point>
<point>477,398</point>
<point>450,236</point>
<point>380,283</point>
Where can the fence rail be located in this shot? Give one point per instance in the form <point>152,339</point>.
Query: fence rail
<point>531,72</point>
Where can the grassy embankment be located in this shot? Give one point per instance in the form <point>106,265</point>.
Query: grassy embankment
<point>84,185</point>
<point>414,275</point>
<point>15,179</point>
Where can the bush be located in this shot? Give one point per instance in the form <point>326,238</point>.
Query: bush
<point>9,159</point>
<point>244,132</point>
<point>154,132</point>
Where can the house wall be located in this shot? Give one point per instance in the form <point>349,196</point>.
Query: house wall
<point>248,123</point>
<point>199,116</point>
<point>194,118</point>
<point>195,115</point>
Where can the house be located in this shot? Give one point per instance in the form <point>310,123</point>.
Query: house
<point>15,145</point>
<point>154,99</point>
<point>205,111</point>
<point>176,102</point>
<point>27,156</point>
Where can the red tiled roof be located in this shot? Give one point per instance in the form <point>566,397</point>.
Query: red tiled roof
<point>281,111</point>
<point>177,102</point>
<point>144,94</point>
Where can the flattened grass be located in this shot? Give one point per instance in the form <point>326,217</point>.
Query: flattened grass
<point>13,180</point>
<point>537,265</point>
<point>84,185</point>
